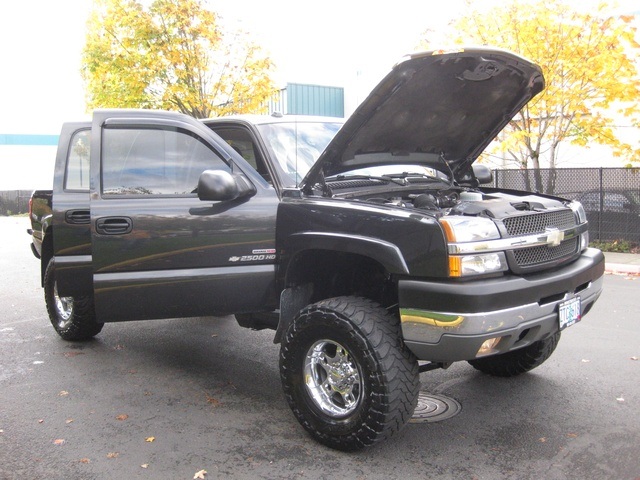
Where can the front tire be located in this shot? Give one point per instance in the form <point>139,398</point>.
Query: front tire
<point>347,376</point>
<point>73,318</point>
<point>518,361</point>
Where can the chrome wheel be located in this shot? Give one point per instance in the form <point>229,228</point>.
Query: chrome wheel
<point>73,318</point>
<point>347,376</point>
<point>332,378</point>
<point>64,307</point>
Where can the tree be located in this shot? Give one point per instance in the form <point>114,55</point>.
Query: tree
<point>171,55</point>
<point>588,60</point>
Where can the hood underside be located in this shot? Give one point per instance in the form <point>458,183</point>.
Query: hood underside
<point>433,108</point>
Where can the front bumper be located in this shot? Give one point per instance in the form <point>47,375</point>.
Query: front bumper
<point>449,321</point>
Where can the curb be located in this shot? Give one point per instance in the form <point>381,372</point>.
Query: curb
<point>622,269</point>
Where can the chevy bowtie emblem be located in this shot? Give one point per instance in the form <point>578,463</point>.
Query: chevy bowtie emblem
<point>554,237</point>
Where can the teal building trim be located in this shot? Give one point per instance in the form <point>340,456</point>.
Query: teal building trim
<point>303,99</point>
<point>28,140</point>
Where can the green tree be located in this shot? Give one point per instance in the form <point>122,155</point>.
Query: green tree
<point>592,80</point>
<point>171,55</point>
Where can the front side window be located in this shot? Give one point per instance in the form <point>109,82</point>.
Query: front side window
<point>152,161</point>
<point>78,162</point>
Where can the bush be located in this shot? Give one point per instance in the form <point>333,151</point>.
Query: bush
<point>617,246</point>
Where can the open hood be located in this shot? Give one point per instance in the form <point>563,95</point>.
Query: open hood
<point>433,108</point>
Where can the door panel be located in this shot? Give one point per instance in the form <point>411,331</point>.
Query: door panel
<point>158,251</point>
<point>72,239</point>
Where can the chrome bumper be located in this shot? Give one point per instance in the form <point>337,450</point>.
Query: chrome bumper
<point>440,335</point>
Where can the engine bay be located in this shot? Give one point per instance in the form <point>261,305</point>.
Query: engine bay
<point>467,201</point>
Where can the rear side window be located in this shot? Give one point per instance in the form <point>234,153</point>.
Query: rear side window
<point>151,161</point>
<point>77,177</point>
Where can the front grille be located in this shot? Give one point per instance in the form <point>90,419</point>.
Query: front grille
<point>539,222</point>
<point>528,257</point>
<point>536,223</point>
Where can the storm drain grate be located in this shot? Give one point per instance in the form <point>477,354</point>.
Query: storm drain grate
<point>434,408</point>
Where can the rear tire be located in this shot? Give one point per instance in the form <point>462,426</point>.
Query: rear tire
<point>72,317</point>
<point>346,373</point>
<point>518,361</point>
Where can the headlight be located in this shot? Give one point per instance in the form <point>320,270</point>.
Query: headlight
<point>469,229</point>
<point>466,265</point>
<point>459,229</point>
<point>581,216</point>
<point>579,212</point>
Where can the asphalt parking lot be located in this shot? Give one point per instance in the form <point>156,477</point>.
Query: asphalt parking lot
<point>172,399</point>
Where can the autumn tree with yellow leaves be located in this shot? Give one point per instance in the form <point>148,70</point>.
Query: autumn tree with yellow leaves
<point>173,55</point>
<point>589,60</point>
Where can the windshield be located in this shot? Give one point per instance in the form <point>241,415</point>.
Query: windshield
<point>296,146</point>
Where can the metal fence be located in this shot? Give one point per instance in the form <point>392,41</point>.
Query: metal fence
<point>13,202</point>
<point>611,196</point>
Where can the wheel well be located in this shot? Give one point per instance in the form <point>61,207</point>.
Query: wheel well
<point>335,274</point>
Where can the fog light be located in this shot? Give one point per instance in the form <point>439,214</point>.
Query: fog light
<point>488,347</point>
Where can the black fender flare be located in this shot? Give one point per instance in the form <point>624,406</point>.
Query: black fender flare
<point>386,253</point>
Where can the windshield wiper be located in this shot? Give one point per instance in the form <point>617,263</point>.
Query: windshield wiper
<point>382,178</point>
<point>407,176</point>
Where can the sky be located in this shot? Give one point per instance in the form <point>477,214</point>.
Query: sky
<point>333,42</point>
<point>327,43</point>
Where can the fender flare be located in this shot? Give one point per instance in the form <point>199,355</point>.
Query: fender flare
<point>386,253</point>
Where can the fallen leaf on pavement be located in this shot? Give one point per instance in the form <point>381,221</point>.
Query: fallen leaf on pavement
<point>124,416</point>
<point>72,354</point>
<point>200,475</point>
<point>112,455</point>
<point>150,439</point>
<point>58,441</point>
<point>85,460</point>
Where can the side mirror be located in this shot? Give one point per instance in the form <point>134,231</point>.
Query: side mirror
<point>483,174</point>
<point>219,185</point>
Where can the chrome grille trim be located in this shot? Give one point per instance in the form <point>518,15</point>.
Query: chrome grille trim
<point>513,243</point>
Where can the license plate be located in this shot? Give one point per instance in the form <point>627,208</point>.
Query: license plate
<point>569,313</point>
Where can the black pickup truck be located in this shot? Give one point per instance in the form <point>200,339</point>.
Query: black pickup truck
<point>370,247</point>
